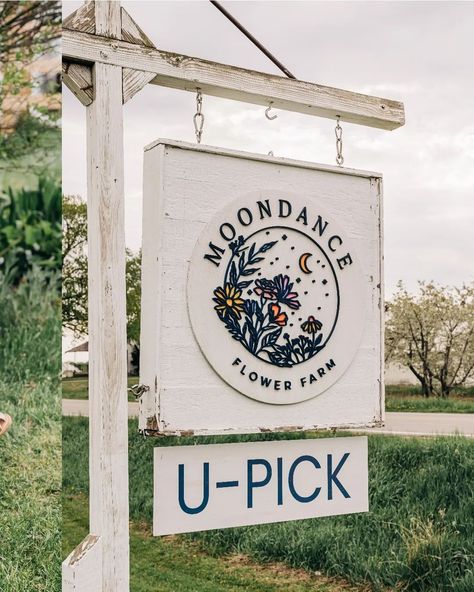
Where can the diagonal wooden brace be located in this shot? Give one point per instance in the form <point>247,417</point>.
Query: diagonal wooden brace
<point>78,76</point>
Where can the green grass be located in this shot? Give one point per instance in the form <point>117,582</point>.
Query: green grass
<point>175,564</point>
<point>77,388</point>
<point>30,460</point>
<point>417,536</point>
<point>408,398</point>
<point>397,398</point>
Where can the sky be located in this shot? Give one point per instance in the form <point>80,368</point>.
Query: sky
<point>420,53</point>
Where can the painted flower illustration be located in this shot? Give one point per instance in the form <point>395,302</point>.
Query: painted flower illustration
<point>228,301</point>
<point>257,321</point>
<point>311,325</point>
<point>276,316</point>
<point>284,295</point>
<point>265,288</point>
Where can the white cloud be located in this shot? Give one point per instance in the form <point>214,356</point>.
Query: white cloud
<point>399,50</point>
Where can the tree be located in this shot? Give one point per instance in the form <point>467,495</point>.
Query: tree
<point>28,26</point>
<point>432,333</point>
<point>27,30</point>
<point>74,277</point>
<point>74,274</point>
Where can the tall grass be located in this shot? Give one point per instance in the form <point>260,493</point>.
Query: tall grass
<point>30,363</point>
<point>418,535</point>
<point>30,329</point>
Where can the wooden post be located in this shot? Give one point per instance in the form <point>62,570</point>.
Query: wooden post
<point>103,565</point>
<point>108,59</point>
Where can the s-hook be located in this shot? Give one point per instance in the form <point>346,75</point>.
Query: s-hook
<point>267,112</point>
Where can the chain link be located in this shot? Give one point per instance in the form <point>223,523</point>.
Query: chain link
<point>198,118</point>
<point>338,132</point>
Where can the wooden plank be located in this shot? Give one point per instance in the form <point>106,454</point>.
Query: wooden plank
<point>132,33</point>
<point>108,424</point>
<point>82,19</point>
<point>280,160</point>
<point>185,501</point>
<point>186,395</point>
<point>134,80</point>
<point>78,79</point>
<point>107,327</point>
<point>81,569</point>
<point>220,80</point>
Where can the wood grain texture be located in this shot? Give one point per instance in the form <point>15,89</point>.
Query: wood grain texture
<point>184,187</point>
<point>78,76</point>
<point>82,19</point>
<point>78,79</point>
<point>132,33</point>
<point>220,80</point>
<point>82,568</point>
<point>107,328</point>
<point>134,80</point>
<point>108,424</point>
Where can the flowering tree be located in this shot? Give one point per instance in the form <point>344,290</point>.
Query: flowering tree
<point>432,333</point>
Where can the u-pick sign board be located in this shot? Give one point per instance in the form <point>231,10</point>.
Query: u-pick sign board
<point>223,485</point>
<point>261,293</point>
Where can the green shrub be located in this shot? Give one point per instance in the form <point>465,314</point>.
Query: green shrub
<point>30,229</point>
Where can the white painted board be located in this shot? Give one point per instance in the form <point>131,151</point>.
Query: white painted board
<point>223,485</point>
<point>261,293</point>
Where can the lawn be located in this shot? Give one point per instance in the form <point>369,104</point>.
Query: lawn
<point>30,453</point>
<point>417,536</point>
<point>407,398</point>
<point>175,564</point>
<point>77,387</point>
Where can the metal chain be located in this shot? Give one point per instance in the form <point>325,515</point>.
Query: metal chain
<point>198,118</point>
<point>338,131</point>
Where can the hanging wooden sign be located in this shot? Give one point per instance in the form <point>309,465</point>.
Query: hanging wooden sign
<point>223,485</point>
<point>262,293</point>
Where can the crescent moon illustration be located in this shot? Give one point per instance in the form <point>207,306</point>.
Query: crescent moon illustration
<point>303,263</point>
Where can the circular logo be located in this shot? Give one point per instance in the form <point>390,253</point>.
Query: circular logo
<point>276,297</point>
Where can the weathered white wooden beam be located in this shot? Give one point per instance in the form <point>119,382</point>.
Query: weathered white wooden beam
<point>108,561</point>
<point>78,79</point>
<point>134,80</point>
<point>220,80</point>
<point>81,570</point>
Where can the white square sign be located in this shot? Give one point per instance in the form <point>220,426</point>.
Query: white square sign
<point>223,485</point>
<point>261,293</point>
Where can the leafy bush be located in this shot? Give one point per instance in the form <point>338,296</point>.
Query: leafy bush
<point>30,229</point>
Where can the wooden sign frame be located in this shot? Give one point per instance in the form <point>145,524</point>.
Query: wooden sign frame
<point>184,187</point>
<point>107,58</point>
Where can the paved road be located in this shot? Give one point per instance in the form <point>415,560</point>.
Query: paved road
<point>427,424</point>
<point>80,408</point>
<point>409,424</point>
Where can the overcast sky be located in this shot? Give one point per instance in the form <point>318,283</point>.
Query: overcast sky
<point>421,53</point>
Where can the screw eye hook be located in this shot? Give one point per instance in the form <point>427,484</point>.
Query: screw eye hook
<point>267,112</point>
